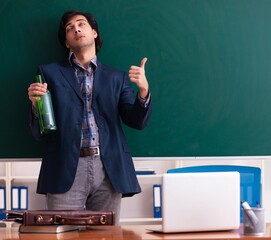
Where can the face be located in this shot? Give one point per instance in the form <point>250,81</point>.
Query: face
<point>79,34</point>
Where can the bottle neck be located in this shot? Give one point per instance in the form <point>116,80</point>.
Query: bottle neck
<point>38,79</point>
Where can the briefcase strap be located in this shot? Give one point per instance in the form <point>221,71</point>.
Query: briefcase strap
<point>57,219</point>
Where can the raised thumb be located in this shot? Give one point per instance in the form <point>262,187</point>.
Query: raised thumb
<point>143,62</point>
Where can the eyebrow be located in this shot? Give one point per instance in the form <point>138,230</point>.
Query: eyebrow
<point>78,20</point>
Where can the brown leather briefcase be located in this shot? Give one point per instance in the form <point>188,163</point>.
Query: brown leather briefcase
<point>61,217</point>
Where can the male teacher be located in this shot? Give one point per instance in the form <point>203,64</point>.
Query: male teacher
<point>86,163</point>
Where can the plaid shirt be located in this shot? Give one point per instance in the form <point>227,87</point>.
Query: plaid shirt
<point>90,132</point>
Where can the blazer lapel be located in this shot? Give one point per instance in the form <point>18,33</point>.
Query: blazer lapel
<point>98,83</point>
<point>69,75</point>
<point>99,80</point>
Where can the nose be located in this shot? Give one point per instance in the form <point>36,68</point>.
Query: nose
<point>77,30</point>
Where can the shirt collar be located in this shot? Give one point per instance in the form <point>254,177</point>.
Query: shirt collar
<point>73,62</point>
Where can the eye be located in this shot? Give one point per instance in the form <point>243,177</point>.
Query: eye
<point>82,24</point>
<point>68,28</point>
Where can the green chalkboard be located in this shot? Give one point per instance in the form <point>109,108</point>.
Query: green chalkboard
<point>209,69</point>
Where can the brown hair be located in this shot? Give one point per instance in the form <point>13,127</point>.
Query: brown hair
<point>91,20</point>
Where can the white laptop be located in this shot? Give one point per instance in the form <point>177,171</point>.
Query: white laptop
<point>205,201</point>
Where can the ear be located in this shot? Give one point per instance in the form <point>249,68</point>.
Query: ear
<point>67,45</point>
<point>95,33</point>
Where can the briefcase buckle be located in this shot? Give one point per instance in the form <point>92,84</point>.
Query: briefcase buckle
<point>56,219</point>
<point>39,219</point>
<point>103,219</point>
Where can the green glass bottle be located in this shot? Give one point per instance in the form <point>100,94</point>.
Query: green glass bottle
<point>46,113</point>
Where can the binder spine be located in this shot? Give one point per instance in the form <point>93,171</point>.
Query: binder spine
<point>19,198</point>
<point>2,202</point>
<point>15,195</point>
<point>157,201</point>
<point>23,198</point>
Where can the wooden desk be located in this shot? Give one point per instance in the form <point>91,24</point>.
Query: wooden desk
<point>137,232</point>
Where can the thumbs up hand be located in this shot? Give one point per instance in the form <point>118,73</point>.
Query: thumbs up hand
<point>137,76</point>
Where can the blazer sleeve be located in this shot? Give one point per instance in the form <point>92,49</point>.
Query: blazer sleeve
<point>33,124</point>
<point>133,113</point>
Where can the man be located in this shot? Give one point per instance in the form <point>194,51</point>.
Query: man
<point>86,163</point>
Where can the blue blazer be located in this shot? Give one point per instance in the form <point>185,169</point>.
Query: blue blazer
<point>113,100</point>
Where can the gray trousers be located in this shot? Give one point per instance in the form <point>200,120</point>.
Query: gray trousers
<point>91,190</point>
